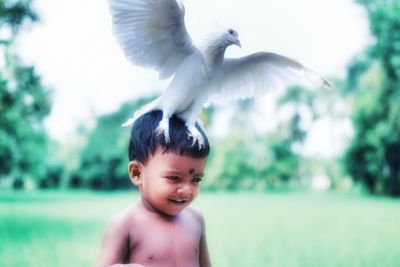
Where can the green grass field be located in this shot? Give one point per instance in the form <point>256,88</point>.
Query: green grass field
<point>244,229</point>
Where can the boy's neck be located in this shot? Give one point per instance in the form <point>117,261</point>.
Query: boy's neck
<point>154,211</point>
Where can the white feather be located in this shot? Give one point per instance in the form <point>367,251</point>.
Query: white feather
<point>254,75</point>
<point>152,33</point>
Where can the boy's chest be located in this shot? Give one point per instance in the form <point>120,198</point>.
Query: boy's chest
<point>161,244</point>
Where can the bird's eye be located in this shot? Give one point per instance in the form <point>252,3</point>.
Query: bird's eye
<point>231,31</point>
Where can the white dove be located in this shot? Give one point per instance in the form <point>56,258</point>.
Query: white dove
<point>152,33</point>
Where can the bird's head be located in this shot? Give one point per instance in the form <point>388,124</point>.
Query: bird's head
<point>230,37</point>
<point>222,38</point>
<point>215,45</point>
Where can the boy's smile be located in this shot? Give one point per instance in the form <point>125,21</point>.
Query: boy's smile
<point>168,182</point>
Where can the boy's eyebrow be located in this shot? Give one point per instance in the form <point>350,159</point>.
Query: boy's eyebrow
<point>175,171</point>
<point>201,174</point>
<point>193,172</point>
<point>178,172</point>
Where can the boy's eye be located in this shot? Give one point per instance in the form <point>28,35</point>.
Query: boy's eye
<point>196,180</point>
<point>173,178</point>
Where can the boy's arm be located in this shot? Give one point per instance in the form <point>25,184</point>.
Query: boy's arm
<point>204,256</point>
<point>115,243</point>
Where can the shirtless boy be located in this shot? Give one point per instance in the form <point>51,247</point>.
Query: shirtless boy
<point>160,230</point>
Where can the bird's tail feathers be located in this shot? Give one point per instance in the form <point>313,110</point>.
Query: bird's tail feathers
<point>143,110</point>
<point>128,123</point>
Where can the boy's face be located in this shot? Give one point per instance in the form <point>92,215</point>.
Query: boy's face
<point>168,182</point>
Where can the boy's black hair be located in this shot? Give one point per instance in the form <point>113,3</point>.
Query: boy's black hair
<point>144,139</point>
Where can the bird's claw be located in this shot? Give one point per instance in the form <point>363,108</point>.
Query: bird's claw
<point>163,128</point>
<point>196,136</point>
<point>160,130</point>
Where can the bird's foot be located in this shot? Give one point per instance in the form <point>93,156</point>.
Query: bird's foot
<point>163,128</point>
<point>196,136</point>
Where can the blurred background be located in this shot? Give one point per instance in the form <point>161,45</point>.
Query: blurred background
<point>317,171</point>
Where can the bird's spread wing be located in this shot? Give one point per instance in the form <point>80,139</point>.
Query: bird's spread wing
<point>152,33</point>
<point>255,74</point>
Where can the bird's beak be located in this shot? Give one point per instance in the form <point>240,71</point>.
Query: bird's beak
<point>237,42</point>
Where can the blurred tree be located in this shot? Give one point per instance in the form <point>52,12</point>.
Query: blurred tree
<point>374,154</point>
<point>307,108</point>
<point>239,160</point>
<point>104,157</point>
<point>24,102</point>
<point>248,159</point>
<point>299,103</point>
<point>13,14</point>
<point>207,116</point>
<point>245,160</point>
<point>284,162</point>
<point>302,101</point>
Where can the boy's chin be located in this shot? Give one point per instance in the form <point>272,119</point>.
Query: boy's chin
<point>171,208</point>
<point>175,210</point>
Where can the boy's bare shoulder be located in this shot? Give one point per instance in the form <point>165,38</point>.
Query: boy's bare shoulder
<point>116,238</point>
<point>121,221</point>
<point>196,215</point>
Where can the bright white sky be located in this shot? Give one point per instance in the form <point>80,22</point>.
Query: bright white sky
<point>77,56</point>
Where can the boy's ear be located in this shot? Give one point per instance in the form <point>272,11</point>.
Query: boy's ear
<point>135,172</point>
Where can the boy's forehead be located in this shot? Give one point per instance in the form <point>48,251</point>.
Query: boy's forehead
<point>175,160</point>
<point>160,150</point>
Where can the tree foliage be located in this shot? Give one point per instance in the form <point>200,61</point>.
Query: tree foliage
<point>24,103</point>
<point>373,157</point>
<point>13,15</point>
<point>104,157</point>
<point>247,159</point>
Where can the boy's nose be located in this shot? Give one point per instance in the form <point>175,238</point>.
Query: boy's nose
<point>184,190</point>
